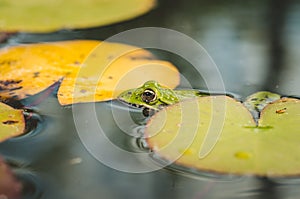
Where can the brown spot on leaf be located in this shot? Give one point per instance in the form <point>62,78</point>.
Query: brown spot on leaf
<point>10,85</point>
<point>9,82</point>
<point>83,91</point>
<point>36,74</point>
<point>281,111</point>
<point>8,62</point>
<point>110,77</point>
<point>77,63</point>
<point>16,88</point>
<point>93,55</point>
<point>141,58</point>
<point>110,57</point>
<point>9,122</point>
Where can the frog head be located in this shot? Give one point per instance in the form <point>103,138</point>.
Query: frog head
<point>151,95</point>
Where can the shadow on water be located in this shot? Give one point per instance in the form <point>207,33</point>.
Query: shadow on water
<point>269,189</point>
<point>277,16</point>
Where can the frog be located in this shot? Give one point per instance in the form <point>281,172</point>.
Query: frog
<point>156,96</point>
<point>152,97</point>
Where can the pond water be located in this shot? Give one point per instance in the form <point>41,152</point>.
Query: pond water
<point>255,45</point>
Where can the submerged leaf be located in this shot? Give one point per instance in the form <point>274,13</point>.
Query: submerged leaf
<point>12,122</point>
<point>271,148</point>
<point>87,75</point>
<point>49,15</point>
<point>10,187</point>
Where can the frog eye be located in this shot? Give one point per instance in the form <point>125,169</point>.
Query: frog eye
<point>148,96</point>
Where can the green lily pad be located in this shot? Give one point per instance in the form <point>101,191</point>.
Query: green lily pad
<point>12,122</point>
<point>269,147</point>
<point>49,15</point>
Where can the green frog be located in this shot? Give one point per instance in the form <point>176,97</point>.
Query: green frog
<point>155,96</point>
<point>152,96</point>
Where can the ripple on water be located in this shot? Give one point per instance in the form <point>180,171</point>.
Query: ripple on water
<point>32,188</point>
<point>33,126</point>
<point>140,143</point>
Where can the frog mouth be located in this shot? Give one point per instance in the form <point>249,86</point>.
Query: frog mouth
<point>135,105</point>
<point>131,104</point>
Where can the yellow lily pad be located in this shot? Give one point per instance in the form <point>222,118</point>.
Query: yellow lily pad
<point>49,15</point>
<point>29,69</point>
<point>112,68</point>
<point>12,122</point>
<point>269,148</point>
<point>88,73</point>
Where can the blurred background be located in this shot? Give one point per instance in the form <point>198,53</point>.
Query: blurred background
<point>254,43</point>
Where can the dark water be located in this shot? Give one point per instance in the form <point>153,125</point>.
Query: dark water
<point>255,45</point>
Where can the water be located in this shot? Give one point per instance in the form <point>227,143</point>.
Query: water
<point>255,45</point>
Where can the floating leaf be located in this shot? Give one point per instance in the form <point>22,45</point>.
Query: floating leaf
<point>10,187</point>
<point>49,15</point>
<point>29,69</point>
<point>269,148</point>
<point>12,122</point>
<point>112,68</point>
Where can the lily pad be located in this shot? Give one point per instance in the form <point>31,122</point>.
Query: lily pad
<point>12,122</point>
<point>112,68</point>
<point>267,148</point>
<point>49,15</point>
<point>29,69</point>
